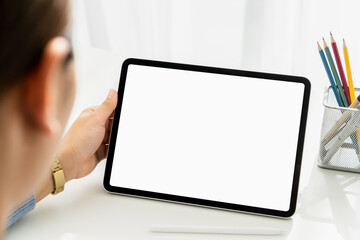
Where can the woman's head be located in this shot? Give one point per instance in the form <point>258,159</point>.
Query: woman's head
<point>26,27</point>
<point>37,89</point>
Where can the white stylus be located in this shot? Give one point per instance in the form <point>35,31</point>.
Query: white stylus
<point>215,230</point>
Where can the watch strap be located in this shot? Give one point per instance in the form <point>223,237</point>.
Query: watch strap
<point>58,176</point>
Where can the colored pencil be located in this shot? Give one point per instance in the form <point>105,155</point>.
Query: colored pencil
<point>340,68</point>
<point>348,72</point>
<point>330,76</point>
<point>335,74</point>
<point>351,83</point>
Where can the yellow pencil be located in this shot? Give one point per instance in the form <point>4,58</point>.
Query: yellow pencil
<point>351,84</point>
<point>348,72</point>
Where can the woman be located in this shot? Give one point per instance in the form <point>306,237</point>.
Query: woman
<point>37,88</point>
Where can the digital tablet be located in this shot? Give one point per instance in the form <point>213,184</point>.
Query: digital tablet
<point>205,136</point>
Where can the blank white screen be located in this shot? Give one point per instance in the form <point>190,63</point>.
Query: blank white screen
<point>209,136</point>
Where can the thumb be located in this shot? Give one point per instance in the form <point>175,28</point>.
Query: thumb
<point>108,106</point>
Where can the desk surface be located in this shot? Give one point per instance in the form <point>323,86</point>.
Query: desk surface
<point>328,208</point>
<point>329,201</point>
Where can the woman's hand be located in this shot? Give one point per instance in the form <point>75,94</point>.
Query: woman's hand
<point>84,145</point>
<point>87,141</point>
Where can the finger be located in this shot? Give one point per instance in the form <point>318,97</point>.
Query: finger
<point>88,111</point>
<point>112,115</point>
<point>107,133</point>
<point>102,152</point>
<point>108,106</point>
<point>108,128</point>
<point>106,149</point>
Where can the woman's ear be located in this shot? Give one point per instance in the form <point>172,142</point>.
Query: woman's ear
<point>40,88</point>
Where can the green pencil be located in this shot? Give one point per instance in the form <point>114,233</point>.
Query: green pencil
<point>336,75</point>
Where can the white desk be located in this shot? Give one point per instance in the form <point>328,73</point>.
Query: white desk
<point>329,201</point>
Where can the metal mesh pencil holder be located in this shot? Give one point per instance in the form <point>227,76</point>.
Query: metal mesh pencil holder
<point>340,135</point>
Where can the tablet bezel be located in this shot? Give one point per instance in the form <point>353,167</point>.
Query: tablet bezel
<point>204,202</point>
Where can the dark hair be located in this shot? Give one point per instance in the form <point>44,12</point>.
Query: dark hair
<point>25,28</point>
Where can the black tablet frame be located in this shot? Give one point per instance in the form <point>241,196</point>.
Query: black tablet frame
<point>204,202</point>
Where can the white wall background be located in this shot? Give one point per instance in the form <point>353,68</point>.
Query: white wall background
<point>271,36</point>
<point>229,33</point>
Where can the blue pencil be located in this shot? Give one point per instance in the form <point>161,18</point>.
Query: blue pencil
<point>332,81</point>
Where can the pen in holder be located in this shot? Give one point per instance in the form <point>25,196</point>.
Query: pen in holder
<point>340,135</point>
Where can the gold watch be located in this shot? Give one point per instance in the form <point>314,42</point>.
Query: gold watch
<point>58,176</point>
